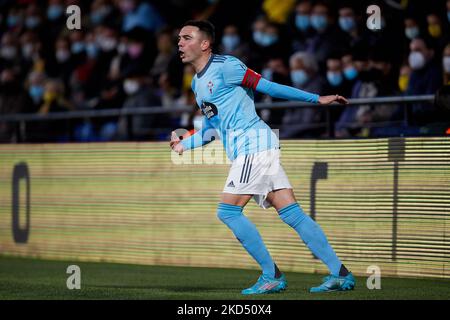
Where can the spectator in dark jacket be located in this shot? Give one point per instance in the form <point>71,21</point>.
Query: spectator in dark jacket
<point>426,78</point>
<point>305,76</point>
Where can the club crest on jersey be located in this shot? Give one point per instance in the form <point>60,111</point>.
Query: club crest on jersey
<point>210,86</point>
<point>209,109</point>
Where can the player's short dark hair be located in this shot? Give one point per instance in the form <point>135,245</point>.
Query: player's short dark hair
<point>204,26</point>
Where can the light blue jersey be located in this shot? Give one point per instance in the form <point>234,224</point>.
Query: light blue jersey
<point>224,92</point>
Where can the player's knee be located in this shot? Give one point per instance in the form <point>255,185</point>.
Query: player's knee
<point>228,212</point>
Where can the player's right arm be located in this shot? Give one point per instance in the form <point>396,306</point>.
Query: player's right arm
<point>198,139</point>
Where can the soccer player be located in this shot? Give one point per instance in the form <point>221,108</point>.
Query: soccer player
<point>223,88</point>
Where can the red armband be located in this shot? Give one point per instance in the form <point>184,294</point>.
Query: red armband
<point>251,79</point>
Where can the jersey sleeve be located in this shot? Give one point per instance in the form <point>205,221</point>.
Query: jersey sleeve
<point>200,138</point>
<point>235,72</point>
<point>280,91</point>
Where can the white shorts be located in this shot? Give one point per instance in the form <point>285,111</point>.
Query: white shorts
<point>257,174</point>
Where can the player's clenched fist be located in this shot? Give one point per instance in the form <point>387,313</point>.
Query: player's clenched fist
<point>175,143</point>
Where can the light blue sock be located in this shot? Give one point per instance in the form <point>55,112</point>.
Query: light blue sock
<point>247,234</point>
<point>312,235</point>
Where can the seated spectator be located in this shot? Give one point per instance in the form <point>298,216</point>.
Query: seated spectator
<point>141,14</point>
<point>139,94</point>
<point>13,99</point>
<point>9,51</point>
<point>412,28</point>
<point>349,24</point>
<point>103,128</point>
<point>326,39</point>
<point>36,88</point>
<point>15,20</point>
<point>304,75</point>
<point>302,25</point>
<point>139,54</point>
<point>53,101</point>
<point>32,59</point>
<point>426,78</point>
<point>103,12</point>
<point>53,98</point>
<point>446,64</point>
<point>337,83</point>
<point>62,63</point>
<point>166,52</point>
<point>436,31</point>
<point>374,81</point>
<point>349,69</point>
<point>266,43</point>
<point>233,44</point>
<point>277,71</point>
<point>56,15</point>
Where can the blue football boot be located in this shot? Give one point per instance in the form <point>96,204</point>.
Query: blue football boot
<point>267,285</point>
<point>335,283</point>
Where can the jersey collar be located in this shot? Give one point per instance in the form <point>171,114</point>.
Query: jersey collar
<point>201,73</point>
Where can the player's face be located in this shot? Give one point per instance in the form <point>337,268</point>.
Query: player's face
<point>190,44</point>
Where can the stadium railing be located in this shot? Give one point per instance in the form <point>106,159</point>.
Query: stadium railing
<point>21,120</point>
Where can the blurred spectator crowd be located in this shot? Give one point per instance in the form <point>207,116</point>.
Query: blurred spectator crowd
<point>125,56</point>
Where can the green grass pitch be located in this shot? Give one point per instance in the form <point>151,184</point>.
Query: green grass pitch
<point>24,278</point>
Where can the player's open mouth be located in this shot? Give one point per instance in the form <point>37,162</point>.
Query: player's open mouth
<point>181,54</point>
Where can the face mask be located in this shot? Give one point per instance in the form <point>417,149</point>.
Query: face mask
<point>77,47</point>
<point>412,32</point>
<point>54,12</point>
<point>36,93</point>
<point>347,23</point>
<point>403,83</point>
<point>134,50</point>
<point>299,77</point>
<point>269,39</point>
<point>230,42</point>
<point>99,15</point>
<point>435,30</point>
<point>302,22</point>
<point>334,78</point>
<point>319,22</point>
<point>8,52</point>
<point>62,55</point>
<point>197,122</point>
<point>446,63</point>
<point>108,44</point>
<point>96,17</point>
<point>416,60</point>
<point>126,6</point>
<point>130,86</point>
<point>12,21</point>
<point>122,48</point>
<point>258,37</point>
<point>350,73</point>
<point>91,50</point>
<point>32,22</point>
<point>27,50</point>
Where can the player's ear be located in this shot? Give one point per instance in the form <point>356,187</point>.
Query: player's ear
<point>205,44</point>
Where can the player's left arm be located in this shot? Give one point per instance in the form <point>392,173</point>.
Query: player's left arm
<point>235,72</point>
<point>280,91</point>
